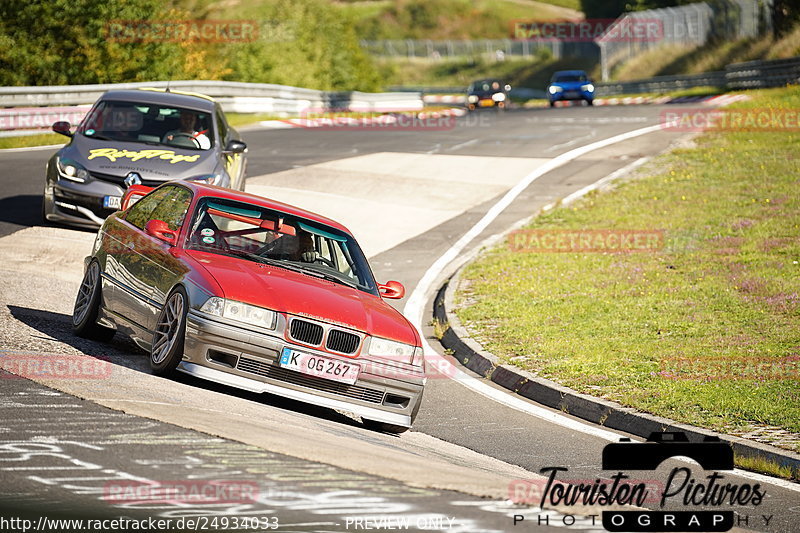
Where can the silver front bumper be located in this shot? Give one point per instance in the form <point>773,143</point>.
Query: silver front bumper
<point>381,393</point>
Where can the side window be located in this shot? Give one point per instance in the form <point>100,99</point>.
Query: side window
<point>223,128</point>
<point>139,213</point>
<point>172,209</point>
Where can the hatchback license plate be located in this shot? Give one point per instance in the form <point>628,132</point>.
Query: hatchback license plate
<point>321,367</point>
<point>112,202</point>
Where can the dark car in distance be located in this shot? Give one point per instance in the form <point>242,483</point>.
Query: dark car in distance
<point>487,93</point>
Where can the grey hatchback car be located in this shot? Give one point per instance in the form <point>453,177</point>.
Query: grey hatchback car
<point>133,137</point>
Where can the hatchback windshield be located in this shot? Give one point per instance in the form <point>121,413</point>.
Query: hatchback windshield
<point>149,123</point>
<point>266,236</point>
<point>566,78</point>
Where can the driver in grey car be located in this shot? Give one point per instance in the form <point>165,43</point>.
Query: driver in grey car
<point>187,131</point>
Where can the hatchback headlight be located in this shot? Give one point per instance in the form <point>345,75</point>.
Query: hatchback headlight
<point>553,89</point>
<point>70,170</point>
<point>588,87</point>
<point>240,312</point>
<point>208,179</point>
<point>498,97</point>
<point>472,98</point>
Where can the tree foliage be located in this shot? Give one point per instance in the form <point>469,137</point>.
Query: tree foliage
<point>66,42</point>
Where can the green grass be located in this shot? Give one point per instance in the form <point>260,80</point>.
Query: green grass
<point>693,91</point>
<point>243,119</point>
<point>723,291</point>
<point>450,19</point>
<point>763,466</point>
<point>673,59</point>
<point>23,141</point>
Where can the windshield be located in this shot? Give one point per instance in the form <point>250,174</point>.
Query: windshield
<point>150,124</point>
<point>263,235</point>
<point>570,78</point>
<point>485,86</point>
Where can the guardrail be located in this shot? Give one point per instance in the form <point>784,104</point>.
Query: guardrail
<point>661,84</point>
<point>750,75</point>
<point>233,96</point>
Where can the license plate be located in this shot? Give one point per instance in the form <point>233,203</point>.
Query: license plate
<point>112,202</point>
<point>321,367</point>
<point>571,94</point>
<point>486,103</point>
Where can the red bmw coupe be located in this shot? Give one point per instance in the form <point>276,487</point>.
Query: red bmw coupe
<point>255,294</point>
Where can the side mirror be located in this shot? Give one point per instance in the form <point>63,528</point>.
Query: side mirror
<point>133,195</point>
<point>235,147</point>
<point>392,290</point>
<point>159,229</point>
<point>62,127</point>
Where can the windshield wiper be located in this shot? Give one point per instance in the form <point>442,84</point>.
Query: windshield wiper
<point>293,268</point>
<point>329,277</point>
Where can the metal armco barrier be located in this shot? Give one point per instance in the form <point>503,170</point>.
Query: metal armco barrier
<point>233,96</point>
<point>750,75</point>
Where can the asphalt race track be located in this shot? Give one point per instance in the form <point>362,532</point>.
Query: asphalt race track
<point>407,195</point>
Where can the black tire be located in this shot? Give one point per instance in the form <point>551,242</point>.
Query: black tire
<point>384,427</point>
<point>45,222</point>
<point>87,307</point>
<point>166,350</point>
<point>590,102</point>
<point>552,104</point>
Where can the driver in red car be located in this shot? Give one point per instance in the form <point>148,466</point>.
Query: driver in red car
<point>306,251</point>
<point>187,129</point>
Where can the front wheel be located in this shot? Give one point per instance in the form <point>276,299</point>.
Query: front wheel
<point>166,350</point>
<point>589,102</point>
<point>87,307</point>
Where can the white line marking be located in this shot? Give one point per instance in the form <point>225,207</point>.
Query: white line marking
<point>435,149</point>
<point>415,306</point>
<point>463,145</point>
<point>555,147</point>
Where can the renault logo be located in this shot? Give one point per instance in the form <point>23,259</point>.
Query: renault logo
<point>133,178</point>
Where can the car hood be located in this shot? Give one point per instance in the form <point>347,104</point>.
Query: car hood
<point>570,85</point>
<point>299,294</point>
<point>152,162</point>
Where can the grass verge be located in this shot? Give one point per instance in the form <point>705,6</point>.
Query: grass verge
<point>24,141</point>
<point>673,59</point>
<point>706,329</point>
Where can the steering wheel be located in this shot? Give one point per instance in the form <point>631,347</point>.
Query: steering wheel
<point>325,261</point>
<point>194,139</point>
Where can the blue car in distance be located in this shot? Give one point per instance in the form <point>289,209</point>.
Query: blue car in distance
<point>570,85</point>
